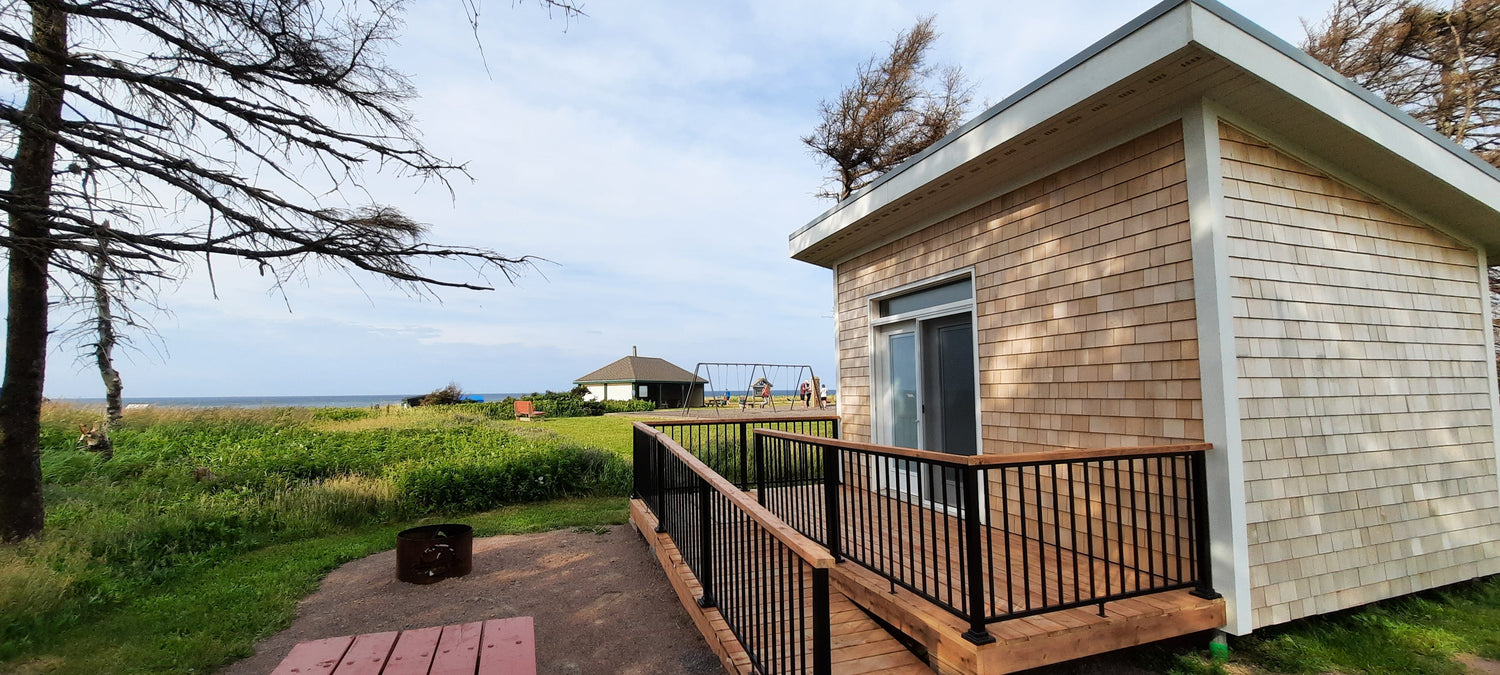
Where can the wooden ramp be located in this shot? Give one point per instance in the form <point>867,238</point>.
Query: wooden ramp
<point>859,644</point>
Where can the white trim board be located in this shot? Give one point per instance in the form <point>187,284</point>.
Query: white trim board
<point>1217,365</point>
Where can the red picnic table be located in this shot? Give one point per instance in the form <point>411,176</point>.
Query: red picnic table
<point>494,647</point>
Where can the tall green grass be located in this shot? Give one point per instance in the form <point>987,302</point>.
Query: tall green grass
<point>190,493</point>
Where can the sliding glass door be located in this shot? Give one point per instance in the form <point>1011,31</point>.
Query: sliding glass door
<point>925,385</point>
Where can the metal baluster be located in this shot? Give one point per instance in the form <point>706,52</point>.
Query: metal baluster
<point>1205,587</point>
<point>970,516</point>
<point>661,481</point>
<point>705,543</point>
<point>831,500</point>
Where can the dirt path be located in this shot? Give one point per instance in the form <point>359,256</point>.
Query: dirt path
<point>601,604</point>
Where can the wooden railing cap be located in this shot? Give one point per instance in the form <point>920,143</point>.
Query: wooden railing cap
<point>806,549</point>
<point>997,461</point>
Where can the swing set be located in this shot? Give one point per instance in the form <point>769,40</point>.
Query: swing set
<point>756,384</point>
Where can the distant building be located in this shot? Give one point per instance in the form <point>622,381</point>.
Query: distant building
<point>644,378</point>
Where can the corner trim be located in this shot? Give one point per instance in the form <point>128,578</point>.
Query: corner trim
<point>1218,373</point>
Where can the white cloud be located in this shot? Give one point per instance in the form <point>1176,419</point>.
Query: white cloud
<point>650,151</point>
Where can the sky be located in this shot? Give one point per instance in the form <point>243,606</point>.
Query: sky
<point>649,152</point>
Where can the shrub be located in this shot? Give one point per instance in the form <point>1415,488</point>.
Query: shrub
<point>480,483</point>
<point>554,403</point>
<point>342,414</point>
<point>628,406</point>
<point>445,396</point>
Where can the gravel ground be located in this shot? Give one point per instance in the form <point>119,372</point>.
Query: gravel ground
<point>600,601</point>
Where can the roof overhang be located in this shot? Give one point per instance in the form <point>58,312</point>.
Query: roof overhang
<point>1180,53</point>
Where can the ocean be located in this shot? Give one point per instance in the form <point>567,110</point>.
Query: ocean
<point>359,401</point>
<point>356,401</point>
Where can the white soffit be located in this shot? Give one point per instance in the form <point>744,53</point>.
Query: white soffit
<point>1178,50</point>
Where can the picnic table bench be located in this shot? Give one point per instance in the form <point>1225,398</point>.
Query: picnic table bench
<point>527,410</point>
<point>494,647</point>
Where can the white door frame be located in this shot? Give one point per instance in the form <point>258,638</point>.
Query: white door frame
<point>880,327</point>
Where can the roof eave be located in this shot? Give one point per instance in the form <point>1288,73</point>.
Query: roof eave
<point>1166,28</point>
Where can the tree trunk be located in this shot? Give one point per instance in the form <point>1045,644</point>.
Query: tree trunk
<point>21,511</point>
<point>104,344</point>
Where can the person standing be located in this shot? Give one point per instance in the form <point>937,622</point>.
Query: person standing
<point>765,394</point>
<point>806,393</point>
<point>822,395</point>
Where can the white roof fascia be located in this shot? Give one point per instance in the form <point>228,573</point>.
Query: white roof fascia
<point>1120,56</point>
<point>1390,128</point>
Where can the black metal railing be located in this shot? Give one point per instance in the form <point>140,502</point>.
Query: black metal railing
<point>991,538</point>
<point>725,445</point>
<point>769,584</point>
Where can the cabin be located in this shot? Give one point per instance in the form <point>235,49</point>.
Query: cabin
<point>1190,333</point>
<point>644,378</point>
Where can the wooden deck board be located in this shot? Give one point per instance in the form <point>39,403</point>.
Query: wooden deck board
<point>508,648</point>
<point>859,644</point>
<point>1038,574</point>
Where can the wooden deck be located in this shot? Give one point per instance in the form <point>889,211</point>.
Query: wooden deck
<point>1037,573</point>
<point>921,546</point>
<point>859,644</point>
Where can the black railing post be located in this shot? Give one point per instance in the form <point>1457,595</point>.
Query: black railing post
<point>1205,587</point>
<point>659,454</point>
<point>705,544</point>
<point>835,427</point>
<point>974,558</point>
<point>831,501</point>
<point>744,448</point>
<point>760,469</point>
<point>822,624</point>
<point>638,466</point>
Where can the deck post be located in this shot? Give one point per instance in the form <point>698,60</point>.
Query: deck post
<point>744,460</point>
<point>974,558</point>
<point>744,448</point>
<point>831,501</point>
<point>1205,588</point>
<point>705,544</point>
<point>836,428</point>
<point>822,624</point>
<point>760,469</point>
<point>661,482</point>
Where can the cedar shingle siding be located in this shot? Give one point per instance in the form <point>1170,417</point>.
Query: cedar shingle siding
<point>1083,303</point>
<point>1364,400</point>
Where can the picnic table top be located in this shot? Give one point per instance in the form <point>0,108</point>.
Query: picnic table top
<point>493,647</point>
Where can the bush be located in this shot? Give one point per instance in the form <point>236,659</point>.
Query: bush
<point>629,406</point>
<point>448,395</point>
<point>478,483</point>
<point>554,403</point>
<point>342,414</point>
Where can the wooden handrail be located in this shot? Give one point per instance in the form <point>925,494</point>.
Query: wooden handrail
<point>806,549</point>
<point>995,461</point>
<point>737,420</point>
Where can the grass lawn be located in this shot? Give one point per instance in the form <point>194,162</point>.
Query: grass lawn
<point>207,526</point>
<point>1417,634</point>
<point>212,615</point>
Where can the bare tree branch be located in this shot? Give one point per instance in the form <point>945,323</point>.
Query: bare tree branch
<point>154,132</point>
<point>895,109</point>
<point>1441,65</point>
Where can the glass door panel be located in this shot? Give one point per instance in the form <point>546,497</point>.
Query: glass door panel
<point>905,410</point>
<point>948,362</point>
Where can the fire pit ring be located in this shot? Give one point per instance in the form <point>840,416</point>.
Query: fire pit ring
<point>434,552</point>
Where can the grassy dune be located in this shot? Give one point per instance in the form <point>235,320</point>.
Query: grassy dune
<point>207,526</point>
